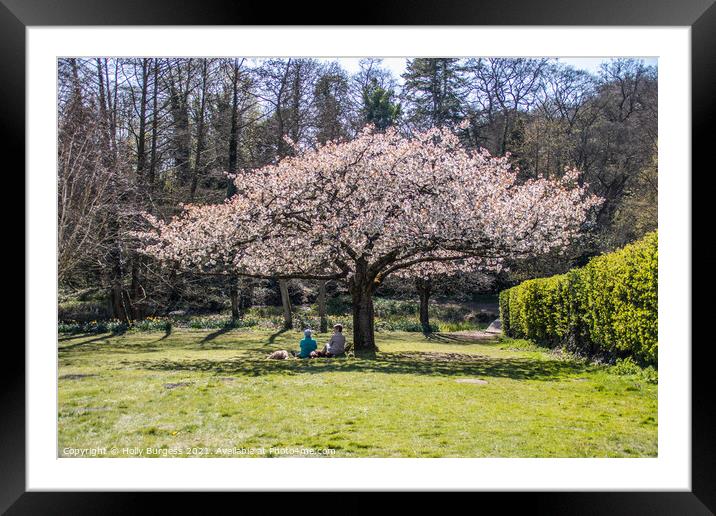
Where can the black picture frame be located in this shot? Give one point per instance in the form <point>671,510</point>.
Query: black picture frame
<point>700,15</point>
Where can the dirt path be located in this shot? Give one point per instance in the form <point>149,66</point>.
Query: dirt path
<point>467,336</point>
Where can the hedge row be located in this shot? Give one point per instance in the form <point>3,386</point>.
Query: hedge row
<point>608,307</point>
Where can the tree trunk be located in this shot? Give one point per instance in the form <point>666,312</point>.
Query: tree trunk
<point>280,143</point>
<point>234,296</point>
<point>362,287</point>
<point>181,139</point>
<point>246,290</point>
<point>135,291</point>
<point>112,107</point>
<point>231,187</point>
<point>136,288</point>
<point>424,288</point>
<point>115,271</point>
<point>155,123</point>
<point>116,303</point>
<point>119,302</point>
<point>322,306</point>
<point>286,303</point>
<point>505,132</point>
<point>173,292</point>
<point>102,107</point>
<point>199,136</point>
<point>142,136</point>
<point>233,132</point>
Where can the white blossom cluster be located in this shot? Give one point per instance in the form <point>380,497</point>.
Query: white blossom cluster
<point>379,203</point>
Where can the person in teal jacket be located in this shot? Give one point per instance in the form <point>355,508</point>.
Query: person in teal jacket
<point>307,344</point>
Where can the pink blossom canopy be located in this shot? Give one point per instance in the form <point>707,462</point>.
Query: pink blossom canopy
<point>382,200</point>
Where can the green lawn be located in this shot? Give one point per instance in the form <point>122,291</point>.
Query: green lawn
<point>208,393</point>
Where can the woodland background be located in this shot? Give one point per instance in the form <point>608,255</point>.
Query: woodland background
<point>151,134</point>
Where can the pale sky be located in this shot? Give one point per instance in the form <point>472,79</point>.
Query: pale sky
<point>397,64</point>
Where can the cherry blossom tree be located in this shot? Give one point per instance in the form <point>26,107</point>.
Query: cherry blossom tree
<point>360,210</point>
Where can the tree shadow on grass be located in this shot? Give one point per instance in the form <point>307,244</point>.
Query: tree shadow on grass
<point>75,336</point>
<point>81,344</point>
<point>414,363</point>
<point>217,333</point>
<point>104,336</point>
<point>273,336</point>
<point>167,332</point>
<point>456,338</point>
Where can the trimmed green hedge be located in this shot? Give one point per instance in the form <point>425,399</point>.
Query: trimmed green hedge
<point>608,307</point>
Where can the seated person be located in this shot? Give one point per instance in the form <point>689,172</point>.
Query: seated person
<point>308,344</point>
<point>336,346</point>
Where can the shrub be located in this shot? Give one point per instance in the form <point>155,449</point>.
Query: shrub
<point>628,367</point>
<point>338,305</point>
<point>391,315</point>
<point>402,324</point>
<point>387,308</point>
<point>607,307</point>
<point>264,312</point>
<point>81,310</point>
<point>218,322</point>
<point>450,326</point>
<point>152,324</point>
<point>73,327</point>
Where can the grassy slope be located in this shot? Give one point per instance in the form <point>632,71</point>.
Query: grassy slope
<point>405,403</point>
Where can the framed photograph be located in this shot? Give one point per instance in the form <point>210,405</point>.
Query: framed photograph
<point>434,251</point>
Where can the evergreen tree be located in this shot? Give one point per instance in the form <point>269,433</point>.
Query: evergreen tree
<point>331,99</point>
<point>378,106</point>
<point>433,89</point>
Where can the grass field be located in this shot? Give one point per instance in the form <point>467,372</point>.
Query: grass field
<point>213,393</point>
